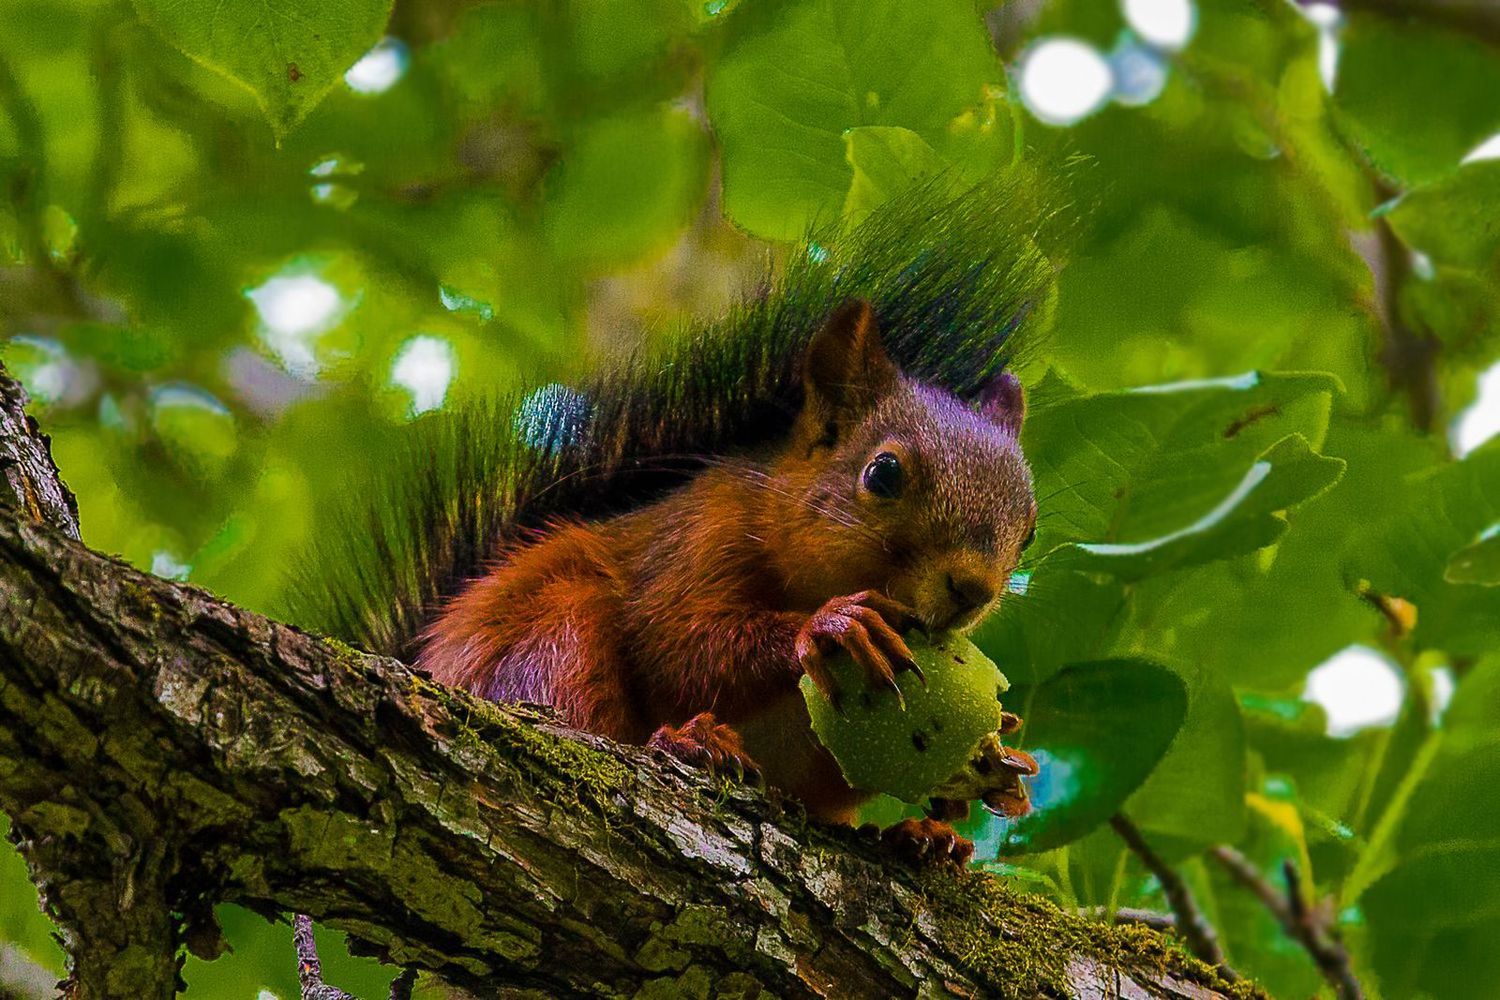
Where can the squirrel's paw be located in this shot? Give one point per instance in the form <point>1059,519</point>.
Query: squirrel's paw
<point>919,840</point>
<point>705,742</point>
<point>1008,764</point>
<point>867,624</point>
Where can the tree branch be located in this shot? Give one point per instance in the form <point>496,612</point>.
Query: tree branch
<point>1191,923</point>
<point>28,478</point>
<point>162,751</point>
<point>1303,924</point>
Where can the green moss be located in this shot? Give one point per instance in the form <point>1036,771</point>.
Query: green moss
<point>347,657</point>
<point>1030,957</point>
<point>596,776</point>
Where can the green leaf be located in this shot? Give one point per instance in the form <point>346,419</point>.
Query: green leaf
<point>1150,479</point>
<point>1097,729</point>
<point>1452,220</point>
<point>1437,848</point>
<point>1478,563</point>
<point>1061,617</point>
<point>1417,98</point>
<point>1245,519</point>
<point>885,159</point>
<point>1429,884</point>
<point>795,75</point>
<point>1436,514</point>
<point>625,187</point>
<point>1196,795</point>
<point>288,54</point>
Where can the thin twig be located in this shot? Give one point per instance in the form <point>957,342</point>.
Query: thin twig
<point>1154,919</point>
<point>309,969</point>
<point>402,985</point>
<point>1308,926</point>
<point>1408,355</point>
<point>1192,925</point>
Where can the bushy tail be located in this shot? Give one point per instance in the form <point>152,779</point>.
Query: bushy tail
<point>959,285</point>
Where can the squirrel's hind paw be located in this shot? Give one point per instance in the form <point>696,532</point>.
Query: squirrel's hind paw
<point>919,840</point>
<point>705,742</point>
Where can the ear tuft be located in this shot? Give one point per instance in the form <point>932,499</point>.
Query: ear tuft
<point>846,367</point>
<point>1003,401</point>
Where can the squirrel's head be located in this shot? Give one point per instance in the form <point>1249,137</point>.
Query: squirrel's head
<point>902,486</point>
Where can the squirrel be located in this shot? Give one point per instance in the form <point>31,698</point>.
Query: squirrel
<point>661,554</point>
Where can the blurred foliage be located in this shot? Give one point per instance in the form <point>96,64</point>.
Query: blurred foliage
<point>228,260</point>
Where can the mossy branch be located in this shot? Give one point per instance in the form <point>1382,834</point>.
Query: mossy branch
<point>162,751</point>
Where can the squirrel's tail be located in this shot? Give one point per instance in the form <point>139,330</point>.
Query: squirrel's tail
<point>959,284</point>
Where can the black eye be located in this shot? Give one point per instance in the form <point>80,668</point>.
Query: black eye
<point>882,476</point>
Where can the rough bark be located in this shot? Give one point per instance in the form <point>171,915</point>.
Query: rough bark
<point>162,751</point>
<point>28,478</point>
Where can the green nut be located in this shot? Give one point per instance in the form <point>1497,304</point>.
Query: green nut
<point>908,752</point>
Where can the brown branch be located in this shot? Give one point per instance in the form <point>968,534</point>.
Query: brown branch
<point>162,751</point>
<point>309,967</point>
<point>1154,919</point>
<point>28,477</point>
<point>1409,356</point>
<point>402,985</point>
<point>1191,923</point>
<point>1308,926</point>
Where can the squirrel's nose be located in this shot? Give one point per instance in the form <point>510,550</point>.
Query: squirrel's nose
<point>969,592</point>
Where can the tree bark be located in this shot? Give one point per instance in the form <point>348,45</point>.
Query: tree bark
<point>162,751</point>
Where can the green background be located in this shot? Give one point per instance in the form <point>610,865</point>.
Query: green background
<point>544,186</point>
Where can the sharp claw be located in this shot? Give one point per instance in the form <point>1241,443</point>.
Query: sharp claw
<point>911,665</point>
<point>1019,761</point>
<point>1009,723</point>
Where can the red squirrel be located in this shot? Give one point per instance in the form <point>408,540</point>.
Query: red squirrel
<point>687,623</point>
<point>663,551</point>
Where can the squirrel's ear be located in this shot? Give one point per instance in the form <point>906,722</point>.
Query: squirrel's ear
<point>1003,400</point>
<point>846,368</point>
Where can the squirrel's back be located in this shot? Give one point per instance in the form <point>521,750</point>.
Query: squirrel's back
<point>957,283</point>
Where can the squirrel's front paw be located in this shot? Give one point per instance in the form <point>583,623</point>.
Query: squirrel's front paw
<point>705,742</point>
<point>928,840</point>
<point>867,624</point>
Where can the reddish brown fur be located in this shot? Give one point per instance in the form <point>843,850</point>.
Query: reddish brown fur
<point>696,603</point>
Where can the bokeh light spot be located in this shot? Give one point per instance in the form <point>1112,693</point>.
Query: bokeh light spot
<point>379,69</point>
<point>1357,688</point>
<point>1063,80</point>
<point>1481,421</point>
<point>424,367</point>
<point>1489,149</point>
<point>1167,24</point>
<point>294,308</point>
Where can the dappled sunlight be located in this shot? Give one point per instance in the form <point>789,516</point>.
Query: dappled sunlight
<point>1489,149</point>
<point>1328,19</point>
<point>1481,420</point>
<point>1357,688</point>
<point>424,367</point>
<point>295,307</point>
<point>1167,24</point>
<point>1064,80</point>
<point>380,69</point>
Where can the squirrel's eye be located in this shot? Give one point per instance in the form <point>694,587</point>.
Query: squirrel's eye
<point>882,476</point>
